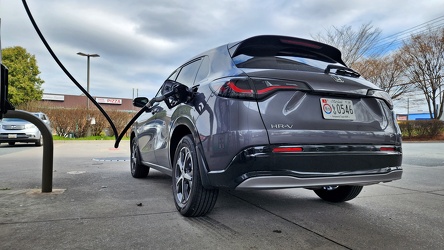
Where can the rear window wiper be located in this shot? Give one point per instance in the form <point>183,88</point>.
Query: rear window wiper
<point>341,70</point>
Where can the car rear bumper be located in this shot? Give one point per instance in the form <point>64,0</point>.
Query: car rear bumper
<point>272,181</point>
<point>317,165</point>
<point>21,137</point>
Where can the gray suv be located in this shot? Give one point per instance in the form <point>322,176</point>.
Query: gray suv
<point>268,112</point>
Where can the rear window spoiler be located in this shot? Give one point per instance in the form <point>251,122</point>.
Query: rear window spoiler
<point>269,44</point>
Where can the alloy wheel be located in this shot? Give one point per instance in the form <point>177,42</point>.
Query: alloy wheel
<point>184,175</point>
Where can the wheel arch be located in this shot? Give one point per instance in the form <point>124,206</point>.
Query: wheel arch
<point>182,127</point>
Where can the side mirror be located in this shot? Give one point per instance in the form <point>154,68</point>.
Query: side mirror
<point>140,102</point>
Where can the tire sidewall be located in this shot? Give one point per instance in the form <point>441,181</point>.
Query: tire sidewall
<point>138,170</point>
<point>188,142</point>
<point>134,156</point>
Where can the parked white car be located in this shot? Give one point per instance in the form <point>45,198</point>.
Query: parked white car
<point>14,130</point>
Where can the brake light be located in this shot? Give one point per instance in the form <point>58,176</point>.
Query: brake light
<point>287,149</point>
<point>234,88</point>
<point>245,88</point>
<point>273,88</point>
<point>232,85</point>
<point>391,149</point>
<point>301,43</point>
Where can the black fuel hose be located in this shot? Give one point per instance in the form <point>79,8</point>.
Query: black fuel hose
<point>66,71</point>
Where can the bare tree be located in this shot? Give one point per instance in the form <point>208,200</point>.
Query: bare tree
<point>423,59</point>
<point>353,44</point>
<point>387,72</point>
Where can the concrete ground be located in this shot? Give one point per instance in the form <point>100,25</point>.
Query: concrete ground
<point>96,204</point>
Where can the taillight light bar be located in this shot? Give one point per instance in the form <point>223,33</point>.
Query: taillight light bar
<point>387,148</point>
<point>255,88</point>
<point>287,149</point>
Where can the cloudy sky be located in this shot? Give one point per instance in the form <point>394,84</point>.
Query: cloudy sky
<point>140,42</point>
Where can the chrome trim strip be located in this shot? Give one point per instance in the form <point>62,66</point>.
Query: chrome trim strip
<point>276,182</point>
<point>162,169</point>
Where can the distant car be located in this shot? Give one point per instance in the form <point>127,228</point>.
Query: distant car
<point>13,130</point>
<point>268,112</point>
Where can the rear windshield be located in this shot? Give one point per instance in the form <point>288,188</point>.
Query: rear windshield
<point>285,60</point>
<point>12,120</point>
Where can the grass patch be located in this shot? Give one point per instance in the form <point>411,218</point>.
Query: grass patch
<point>88,138</point>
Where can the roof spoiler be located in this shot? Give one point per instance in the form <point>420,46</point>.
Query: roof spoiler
<point>275,43</point>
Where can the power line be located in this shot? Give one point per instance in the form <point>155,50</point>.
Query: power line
<point>394,40</point>
<point>438,19</point>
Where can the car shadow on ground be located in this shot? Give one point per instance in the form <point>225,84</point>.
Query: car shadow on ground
<point>297,200</point>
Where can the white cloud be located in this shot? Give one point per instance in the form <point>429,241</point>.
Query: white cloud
<point>141,42</point>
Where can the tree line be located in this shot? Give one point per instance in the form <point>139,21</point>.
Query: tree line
<point>416,65</point>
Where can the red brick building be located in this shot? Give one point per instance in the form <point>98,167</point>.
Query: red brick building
<point>81,101</point>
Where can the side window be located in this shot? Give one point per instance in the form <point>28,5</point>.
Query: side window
<point>204,70</point>
<point>188,73</point>
<point>174,75</point>
<point>166,87</point>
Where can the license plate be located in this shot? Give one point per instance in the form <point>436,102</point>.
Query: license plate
<point>337,109</point>
<point>12,136</point>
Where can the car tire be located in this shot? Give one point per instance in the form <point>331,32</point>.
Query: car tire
<point>138,170</point>
<point>11,143</point>
<point>39,142</point>
<point>190,197</point>
<point>338,193</point>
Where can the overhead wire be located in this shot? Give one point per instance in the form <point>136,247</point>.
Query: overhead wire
<point>113,127</point>
<point>394,41</point>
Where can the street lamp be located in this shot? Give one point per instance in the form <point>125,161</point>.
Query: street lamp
<point>87,71</point>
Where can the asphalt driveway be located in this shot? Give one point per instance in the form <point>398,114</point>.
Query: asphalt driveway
<point>96,204</point>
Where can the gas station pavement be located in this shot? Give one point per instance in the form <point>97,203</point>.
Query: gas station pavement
<point>96,204</point>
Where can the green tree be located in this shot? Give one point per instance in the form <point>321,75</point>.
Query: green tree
<point>24,81</point>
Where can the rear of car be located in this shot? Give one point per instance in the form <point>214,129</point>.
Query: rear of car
<point>309,121</point>
<point>265,113</point>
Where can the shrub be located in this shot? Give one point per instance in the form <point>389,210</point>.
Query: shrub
<point>75,121</point>
<point>421,128</point>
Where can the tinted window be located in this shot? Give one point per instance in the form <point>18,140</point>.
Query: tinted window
<point>13,120</point>
<point>203,70</point>
<point>174,75</point>
<point>287,60</point>
<point>188,73</point>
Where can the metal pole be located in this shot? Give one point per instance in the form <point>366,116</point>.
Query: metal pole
<point>408,108</point>
<point>87,85</point>
<point>87,72</point>
<point>48,146</point>
<point>87,80</point>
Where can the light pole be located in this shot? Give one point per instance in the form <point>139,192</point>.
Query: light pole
<point>87,72</point>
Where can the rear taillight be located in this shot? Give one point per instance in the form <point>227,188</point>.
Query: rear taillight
<point>245,88</point>
<point>234,88</point>
<point>288,149</point>
<point>387,148</point>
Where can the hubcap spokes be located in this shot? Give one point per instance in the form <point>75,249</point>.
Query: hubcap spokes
<point>133,157</point>
<point>184,175</point>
